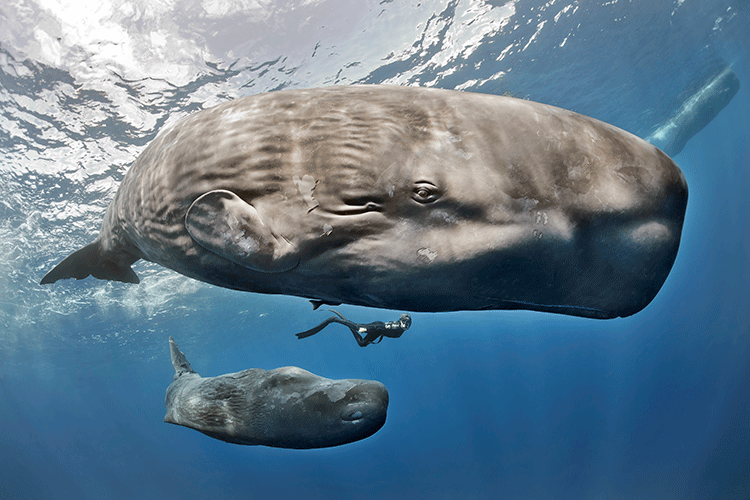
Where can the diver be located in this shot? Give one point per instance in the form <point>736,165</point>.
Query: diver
<point>373,332</point>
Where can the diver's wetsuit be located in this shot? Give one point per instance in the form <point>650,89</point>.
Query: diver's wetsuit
<point>373,332</point>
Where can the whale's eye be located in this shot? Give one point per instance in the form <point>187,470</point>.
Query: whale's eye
<point>425,192</point>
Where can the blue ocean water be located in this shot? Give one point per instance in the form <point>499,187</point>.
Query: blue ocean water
<point>500,404</point>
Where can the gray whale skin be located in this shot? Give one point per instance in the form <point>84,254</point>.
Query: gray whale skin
<point>283,408</point>
<point>401,198</point>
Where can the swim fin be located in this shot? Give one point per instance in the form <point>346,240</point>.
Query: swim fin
<point>313,331</point>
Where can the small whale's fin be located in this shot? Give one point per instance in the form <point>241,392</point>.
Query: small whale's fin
<point>179,361</point>
<point>223,223</point>
<point>89,261</point>
<point>316,303</point>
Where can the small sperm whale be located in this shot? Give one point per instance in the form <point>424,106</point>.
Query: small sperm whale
<point>283,408</point>
<point>364,333</point>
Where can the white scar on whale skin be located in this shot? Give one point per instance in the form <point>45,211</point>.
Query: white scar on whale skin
<point>306,186</point>
<point>426,255</point>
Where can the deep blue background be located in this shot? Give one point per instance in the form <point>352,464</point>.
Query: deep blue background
<point>483,404</point>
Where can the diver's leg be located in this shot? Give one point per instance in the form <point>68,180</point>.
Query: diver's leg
<point>361,341</point>
<point>345,321</point>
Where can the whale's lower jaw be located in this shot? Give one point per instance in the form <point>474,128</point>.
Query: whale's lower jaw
<point>337,432</point>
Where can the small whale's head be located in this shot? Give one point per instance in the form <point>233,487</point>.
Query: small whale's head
<point>308,411</point>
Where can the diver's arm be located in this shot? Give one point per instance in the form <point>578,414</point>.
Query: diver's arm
<point>393,329</point>
<point>373,333</point>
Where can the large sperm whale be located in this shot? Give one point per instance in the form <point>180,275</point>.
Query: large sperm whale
<point>284,408</point>
<point>402,198</point>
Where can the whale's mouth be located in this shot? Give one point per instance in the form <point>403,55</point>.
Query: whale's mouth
<point>356,209</point>
<point>366,407</point>
<point>573,310</point>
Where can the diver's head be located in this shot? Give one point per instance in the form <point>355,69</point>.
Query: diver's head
<point>405,321</point>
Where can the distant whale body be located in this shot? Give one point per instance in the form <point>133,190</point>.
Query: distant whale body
<point>402,198</point>
<point>695,113</point>
<point>283,408</point>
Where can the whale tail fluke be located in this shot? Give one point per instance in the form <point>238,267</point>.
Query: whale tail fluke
<point>90,261</point>
<point>179,361</point>
<point>695,113</point>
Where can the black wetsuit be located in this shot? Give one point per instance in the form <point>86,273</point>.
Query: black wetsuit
<point>373,332</point>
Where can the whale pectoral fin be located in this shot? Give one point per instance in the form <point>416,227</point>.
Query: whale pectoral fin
<point>316,303</point>
<point>223,223</point>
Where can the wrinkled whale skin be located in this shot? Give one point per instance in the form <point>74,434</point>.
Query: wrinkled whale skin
<point>402,198</point>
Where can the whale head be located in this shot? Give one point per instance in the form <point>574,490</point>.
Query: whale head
<point>308,411</point>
